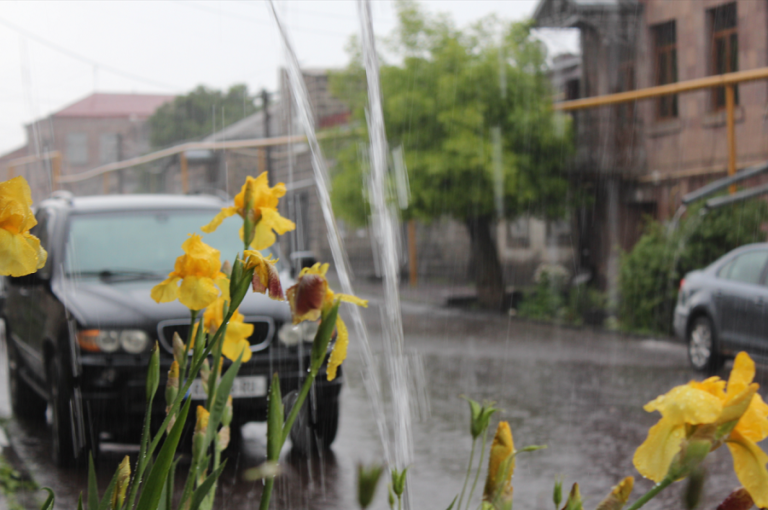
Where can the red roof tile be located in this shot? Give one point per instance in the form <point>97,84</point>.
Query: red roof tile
<point>114,105</point>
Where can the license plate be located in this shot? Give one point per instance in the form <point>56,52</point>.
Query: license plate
<point>242,387</point>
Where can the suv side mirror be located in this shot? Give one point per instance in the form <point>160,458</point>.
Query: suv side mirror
<point>300,260</point>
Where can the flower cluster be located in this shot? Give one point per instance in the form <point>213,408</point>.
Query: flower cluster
<point>710,413</point>
<point>310,297</point>
<point>20,251</point>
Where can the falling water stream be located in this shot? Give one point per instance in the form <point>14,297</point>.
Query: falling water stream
<point>397,452</point>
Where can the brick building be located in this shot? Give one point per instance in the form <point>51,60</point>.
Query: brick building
<point>641,158</point>
<point>98,129</point>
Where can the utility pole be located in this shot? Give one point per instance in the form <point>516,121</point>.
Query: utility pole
<point>267,150</point>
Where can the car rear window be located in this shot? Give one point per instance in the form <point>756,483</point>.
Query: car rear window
<point>142,241</point>
<point>746,268</point>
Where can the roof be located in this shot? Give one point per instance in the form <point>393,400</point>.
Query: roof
<point>133,202</point>
<point>250,127</point>
<point>567,13</point>
<point>115,105</point>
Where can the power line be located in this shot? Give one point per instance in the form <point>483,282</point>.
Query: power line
<point>85,59</point>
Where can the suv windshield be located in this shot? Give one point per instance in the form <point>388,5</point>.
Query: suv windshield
<point>138,244</point>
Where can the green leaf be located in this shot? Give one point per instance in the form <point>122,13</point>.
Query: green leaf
<point>80,502</point>
<point>93,487</point>
<point>323,335</point>
<point>220,402</point>
<point>150,496</point>
<point>153,372</point>
<point>106,499</point>
<point>48,505</point>
<point>450,507</point>
<point>201,492</point>
<point>275,417</point>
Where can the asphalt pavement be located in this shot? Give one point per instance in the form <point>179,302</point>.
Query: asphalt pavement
<point>579,391</point>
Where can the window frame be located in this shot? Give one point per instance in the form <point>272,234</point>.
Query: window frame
<point>728,266</point>
<point>726,34</point>
<point>667,107</point>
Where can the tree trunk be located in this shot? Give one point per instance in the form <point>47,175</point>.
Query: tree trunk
<point>489,279</point>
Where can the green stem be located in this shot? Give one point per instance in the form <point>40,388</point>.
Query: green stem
<point>479,467</point>
<point>141,462</point>
<point>399,502</point>
<point>469,472</point>
<point>298,404</point>
<point>267,494</point>
<point>183,362</point>
<point>213,379</point>
<point>645,498</point>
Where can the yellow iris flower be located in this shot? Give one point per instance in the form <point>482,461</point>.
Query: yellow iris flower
<point>198,270</point>
<point>502,447</point>
<point>262,200</point>
<point>712,402</point>
<point>20,252</point>
<point>309,297</point>
<point>237,334</point>
<point>265,277</point>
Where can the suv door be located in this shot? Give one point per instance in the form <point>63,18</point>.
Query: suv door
<point>740,298</point>
<point>25,310</point>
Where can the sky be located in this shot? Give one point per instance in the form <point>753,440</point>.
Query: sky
<point>55,53</point>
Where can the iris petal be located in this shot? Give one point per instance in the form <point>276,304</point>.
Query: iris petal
<point>225,213</point>
<point>339,353</point>
<point>742,374</point>
<point>653,457</point>
<point>18,257</point>
<point>749,463</point>
<point>167,290</point>
<point>197,292</point>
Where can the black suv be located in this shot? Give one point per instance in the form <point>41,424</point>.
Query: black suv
<point>80,330</point>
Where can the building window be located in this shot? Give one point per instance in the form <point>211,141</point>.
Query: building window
<point>77,148</point>
<point>519,233</point>
<point>108,148</point>
<point>572,89</point>
<point>665,42</point>
<point>725,48</point>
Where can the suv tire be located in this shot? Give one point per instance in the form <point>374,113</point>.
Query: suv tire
<point>314,430</point>
<point>703,348</point>
<point>62,447</point>
<point>25,402</point>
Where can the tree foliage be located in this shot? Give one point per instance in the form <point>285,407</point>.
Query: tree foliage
<point>444,93</point>
<point>650,273</point>
<point>198,113</point>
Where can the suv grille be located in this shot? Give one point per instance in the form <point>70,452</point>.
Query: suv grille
<point>264,329</point>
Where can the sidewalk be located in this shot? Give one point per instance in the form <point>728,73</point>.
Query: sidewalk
<point>426,292</point>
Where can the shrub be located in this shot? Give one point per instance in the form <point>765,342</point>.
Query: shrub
<point>650,273</point>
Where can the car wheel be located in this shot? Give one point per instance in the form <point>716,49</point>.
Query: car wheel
<point>314,429</point>
<point>62,441</point>
<point>703,350</point>
<point>25,402</point>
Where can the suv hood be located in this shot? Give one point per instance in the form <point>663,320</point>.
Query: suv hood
<point>98,304</point>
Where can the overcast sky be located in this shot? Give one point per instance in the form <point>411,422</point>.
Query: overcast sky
<point>54,53</point>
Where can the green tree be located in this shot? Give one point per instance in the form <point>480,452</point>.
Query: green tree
<point>446,94</point>
<point>199,113</point>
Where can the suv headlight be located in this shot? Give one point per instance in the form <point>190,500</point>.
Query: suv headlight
<point>132,341</point>
<point>290,334</point>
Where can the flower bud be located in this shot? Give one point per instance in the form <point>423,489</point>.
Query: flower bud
<point>223,439</point>
<point>153,372</point>
<point>557,493</point>
<point>574,499</point>
<point>121,485</point>
<point>178,348</point>
<point>367,480</point>
<point>391,498</point>
<point>172,385</point>
<point>619,495</point>
<point>201,427</point>
<point>398,481</point>
<point>205,373</point>
<point>737,500</point>
<point>226,416</point>
<point>226,268</point>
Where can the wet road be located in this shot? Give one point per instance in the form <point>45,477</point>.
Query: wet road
<point>579,392</point>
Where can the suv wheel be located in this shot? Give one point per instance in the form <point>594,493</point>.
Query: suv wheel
<point>314,430</point>
<point>703,350</point>
<point>62,444</point>
<point>25,401</point>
